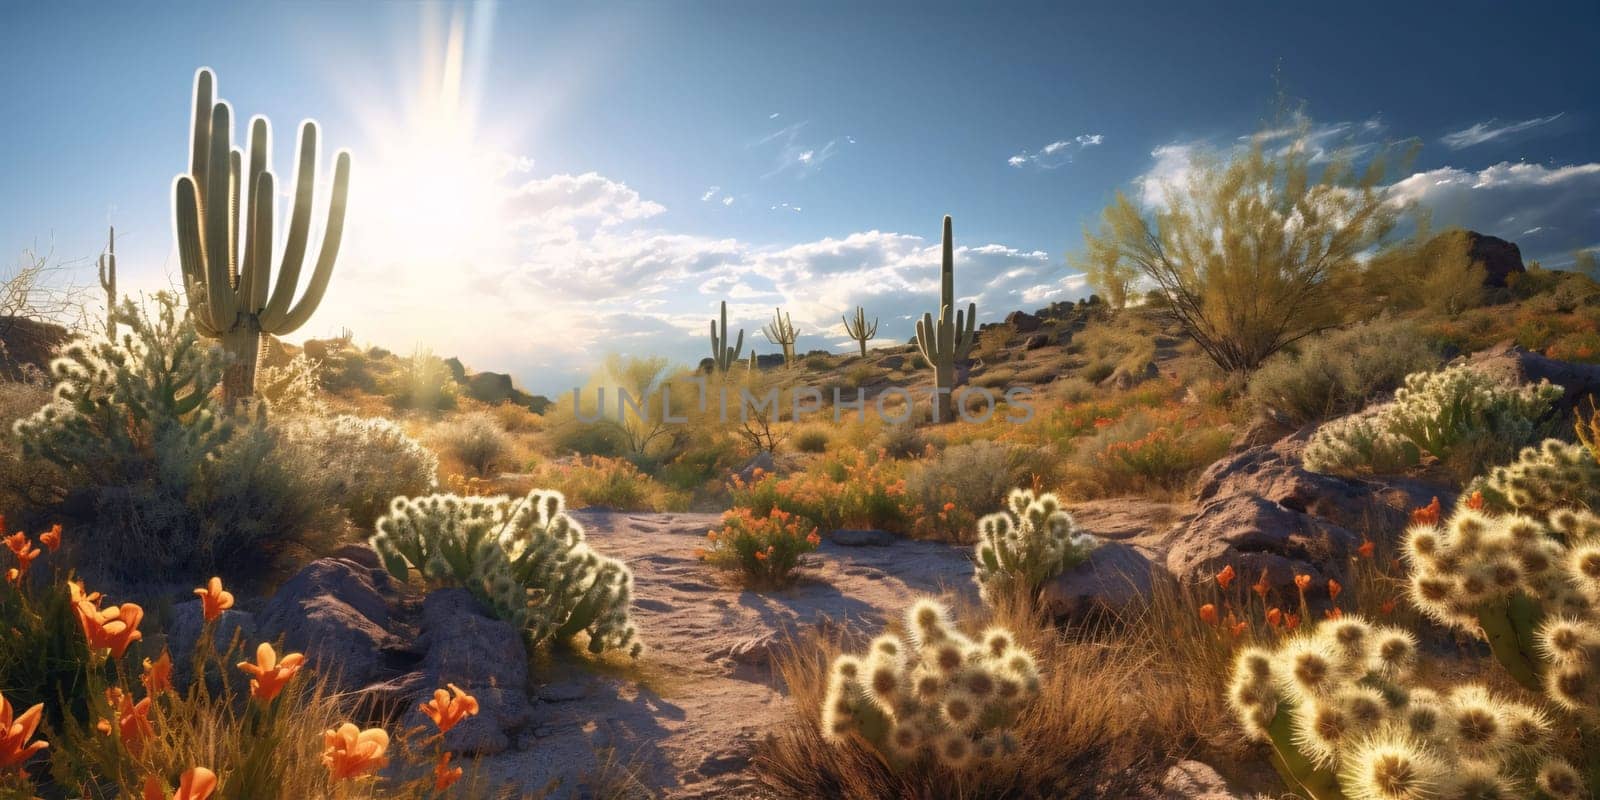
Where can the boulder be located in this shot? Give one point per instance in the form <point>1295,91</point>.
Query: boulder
<point>485,657</point>
<point>490,387</point>
<point>27,346</point>
<point>1500,258</point>
<point>1510,362</point>
<point>769,360</point>
<point>337,612</point>
<point>1036,341</point>
<point>183,633</point>
<point>1023,321</point>
<point>760,461</point>
<point>1257,536</point>
<point>1114,577</point>
<point>848,537</point>
<point>892,362</point>
<point>1193,780</point>
<point>458,371</point>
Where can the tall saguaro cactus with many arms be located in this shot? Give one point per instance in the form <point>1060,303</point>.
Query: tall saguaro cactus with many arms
<point>781,332</point>
<point>108,281</point>
<point>945,341</point>
<point>859,330</point>
<point>723,355</point>
<point>229,281</point>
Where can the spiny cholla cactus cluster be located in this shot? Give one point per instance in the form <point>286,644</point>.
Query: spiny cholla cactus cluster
<point>1032,540</point>
<point>935,691</point>
<point>1346,719</point>
<point>1435,413</point>
<point>526,558</point>
<point>1553,475</point>
<point>1532,588</point>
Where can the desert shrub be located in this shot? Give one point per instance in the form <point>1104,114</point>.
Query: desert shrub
<point>1072,389</point>
<point>1124,346</point>
<point>158,485</point>
<point>932,693</point>
<point>515,418</point>
<point>1345,715</point>
<point>812,439</point>
<point>995,377</point>
<point>609,482</point>
<point>1146,451</point>
<point>818,362</point>
<point>1021,547</point>
<point>424,383</point>
<point>1555,474</point>
<point>765,549</point>
<point>1458,415</point>
<point>994,341</point>
<point>475,440</point>
<point>294,388</point>
<point>973,475</point>
<point>363,463</point>
<point>902,441</point>
<point>1341,371</point>
<point>841,490</point>
<point>525,558</point>
<point>859,376</point>
<point>1435,272</point>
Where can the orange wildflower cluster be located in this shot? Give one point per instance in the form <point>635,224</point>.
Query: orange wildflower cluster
<point>1427,515</point>
<point>196,784</point>
<point>766,548</point>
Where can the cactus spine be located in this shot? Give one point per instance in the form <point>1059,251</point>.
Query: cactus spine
<point>723,356</point>
<point>108,281</point>
<point>781,332</point>
<point>949,339</point>
<point>859,330</point>
<point>227,280</point>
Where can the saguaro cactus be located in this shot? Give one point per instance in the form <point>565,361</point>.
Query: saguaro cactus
<point>947,340</point>
<point>781,332</point>
<point>108,281</point>
<point>227,280</point>
<point>723,356</point>
<point>859,330</point>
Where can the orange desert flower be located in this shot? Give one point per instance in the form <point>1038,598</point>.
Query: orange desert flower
<point>270,675</point>
<point>1208,614</point>
<point>1333,613</point>
<point>352,752</point>
<point>1475,502</point>
<point>21,547</point>
<point>133,723</point>
<point>114,628</point>
<point>213,600</point>
<point>1334,589</point>
<point>76,593</point>
<point>1238,628</point>
<point>443,774</point>
<point>158,674</point>
<point>196,784</point>
<point>51,539</point>
<point>1275,617</point>
<point>446,711</point>
<point>813,539</point>
<point>15,733</point>
<point>1388,606</point>
<point>1226,576</point>
<point>761,555</point>
<point>1366,548</point>
<point>1291,621</point>
<point>1262,586</point>
<point>949,507</point>
<point>1302,581</point>
<point>1427,515</point>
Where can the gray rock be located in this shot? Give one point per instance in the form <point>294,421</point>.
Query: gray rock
<point>1257,536</point>
<point>233,628</point>
<point>490,387</point>
<point>336,612</point>
<point>756,651</point>
<point>458,371</point>
<point>892,362</point>
<point>762,461</point>
<point>1023,321</point>
<point>1514,364</point>
<point>1192,780</point>
<point>564,691</point>
<point>1036,341</point>
<point>500,714</point>
<point>850,537</point>
<point>1115,577</point>
<point>467,647</point>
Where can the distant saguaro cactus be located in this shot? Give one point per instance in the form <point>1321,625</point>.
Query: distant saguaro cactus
<point>780,331</point>
<point>227,279</point>
<point>723,356</point>
<point>949,339</point>
<point>108,281</point>
<point>859,330</point>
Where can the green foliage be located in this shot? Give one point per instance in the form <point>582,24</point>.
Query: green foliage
<point>223,216</point>
<point>812,439</point>
<point>376,462</point>
<point>944,341</point>
<point>1220,248</point>
<point>1458,415</point>
<point>1345,716</point>
<point>1341,371</point>
<point>766,549</point>
<point>1433,272</point>
<point>156,484</point>
<point>1554,475</point>
<point>974,475</point>
<point>424,383</point>
<point>476,440</point>
<point>933,694</point>
<point>294,388</point>
<point>526,559</point>
<point>1030,542</point>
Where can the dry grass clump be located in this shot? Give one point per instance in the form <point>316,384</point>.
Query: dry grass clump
<point>1100,725</point>
<point>475,441</point>
<point>811,439</point>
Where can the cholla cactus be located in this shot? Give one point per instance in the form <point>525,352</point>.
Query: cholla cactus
<point>1025,545</point>
<point>1435,413</point>
<point>525,558</point>
<point>1531,588</point>
<point>934,691</point>
<point>1553,475</point>
<point>1346,719</point>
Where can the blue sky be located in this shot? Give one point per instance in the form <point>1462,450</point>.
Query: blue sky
<point>611,171</point>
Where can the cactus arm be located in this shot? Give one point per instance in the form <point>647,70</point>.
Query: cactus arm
<point>294,247</point>
<point>947,269</point>
<point>191,257</point>
<point>200,125</point>
<point>249,276</point>
<point>214,203</point>
<point>1293,766</point>
<point>1509,648</point>
<point>330,251</point>
<point>235,186</point>
<point>925,338</point>
<point>253,290</point>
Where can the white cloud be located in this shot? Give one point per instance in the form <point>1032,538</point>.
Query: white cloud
<point>1491,130</point>
<point>564,199</point>
<point>727,200</point>
<point>1549,211</point>
<point>710,194</point>
<point>797,152</point>
<point>1057,153</point>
